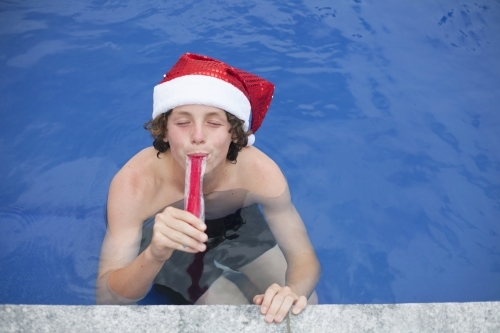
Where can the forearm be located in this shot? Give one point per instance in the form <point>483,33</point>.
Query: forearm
<point>302,274</point>
<point>128,284</point>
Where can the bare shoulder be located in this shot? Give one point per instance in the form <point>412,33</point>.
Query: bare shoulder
<point>134,187</point>
<point>260,173</point>
<point>137,174</point>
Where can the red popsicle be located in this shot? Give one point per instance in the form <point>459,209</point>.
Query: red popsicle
<point>193,192</point>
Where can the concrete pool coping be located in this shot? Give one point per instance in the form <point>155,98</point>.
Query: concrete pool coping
<point>425,317</point>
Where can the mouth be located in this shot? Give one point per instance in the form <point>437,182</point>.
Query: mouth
<point>198,155</point>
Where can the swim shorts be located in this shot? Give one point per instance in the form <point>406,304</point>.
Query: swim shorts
<point>234,241</point>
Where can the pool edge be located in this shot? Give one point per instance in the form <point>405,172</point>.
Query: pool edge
<point>410,317</point>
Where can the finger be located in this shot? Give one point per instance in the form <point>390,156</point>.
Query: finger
<point>170,222</point>
<point>176,228</point>
<point>278,301</point>
<point>285,307</point>
<point>162,242</point>
<point>184,242</point>
<point>299,305</point>
<point>177,240</point>
<point>186,217</point>
<point>161,247</point>
<point>268,297</point>
<point>257,299</point>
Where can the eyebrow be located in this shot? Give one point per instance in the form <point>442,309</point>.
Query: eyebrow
<point>216,114</point>
<point>187,113</point>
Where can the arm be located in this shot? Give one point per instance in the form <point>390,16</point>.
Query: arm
<point>124,277</point>
<point>303,268</point>
<point>286,224</point>
<point>271,191</point>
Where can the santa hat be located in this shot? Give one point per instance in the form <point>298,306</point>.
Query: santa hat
<point>197,79</point>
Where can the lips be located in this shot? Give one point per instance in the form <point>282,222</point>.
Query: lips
<point>198,154</point>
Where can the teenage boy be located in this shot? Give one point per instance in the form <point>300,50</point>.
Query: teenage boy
<point>252,231</point>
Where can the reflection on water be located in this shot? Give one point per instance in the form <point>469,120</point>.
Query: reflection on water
<point>384,121</point>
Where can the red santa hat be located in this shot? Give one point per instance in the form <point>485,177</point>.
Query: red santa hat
<point>197,79</point>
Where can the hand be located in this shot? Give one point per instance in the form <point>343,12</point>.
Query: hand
<point>277,301</point>
<point>176,229</point>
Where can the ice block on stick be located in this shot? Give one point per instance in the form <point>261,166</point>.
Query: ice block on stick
<point>193,190</point>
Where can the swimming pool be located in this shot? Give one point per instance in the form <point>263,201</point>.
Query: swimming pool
<point>384,120</point>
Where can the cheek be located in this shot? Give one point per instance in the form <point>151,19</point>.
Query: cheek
<point>223,143</point>
<point>173,137</point>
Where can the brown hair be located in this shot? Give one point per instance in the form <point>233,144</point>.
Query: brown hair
<point>239,138</point>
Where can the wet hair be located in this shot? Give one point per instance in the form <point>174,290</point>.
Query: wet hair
<point>239,137</point>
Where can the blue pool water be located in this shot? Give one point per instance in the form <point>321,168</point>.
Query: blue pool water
<point>385,121</point>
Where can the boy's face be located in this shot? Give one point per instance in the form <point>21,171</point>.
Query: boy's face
<point>198,129</point>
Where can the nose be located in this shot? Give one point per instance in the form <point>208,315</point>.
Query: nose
<point>198,135</point>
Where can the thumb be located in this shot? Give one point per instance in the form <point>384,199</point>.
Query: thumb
<point>257,300</point>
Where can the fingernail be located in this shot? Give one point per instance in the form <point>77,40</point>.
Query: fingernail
<point>279,318</point>
<point>269,318</point>
<point>263,310</point>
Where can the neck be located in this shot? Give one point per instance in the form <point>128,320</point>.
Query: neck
<point>212,181</point>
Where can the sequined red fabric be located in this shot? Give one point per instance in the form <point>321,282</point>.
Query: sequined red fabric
<point>258,90</point>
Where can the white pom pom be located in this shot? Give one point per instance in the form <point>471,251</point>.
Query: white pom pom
<point>251,140</point>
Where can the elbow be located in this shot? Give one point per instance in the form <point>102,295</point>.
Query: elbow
<point>318,270</point>
<point>105,295</point>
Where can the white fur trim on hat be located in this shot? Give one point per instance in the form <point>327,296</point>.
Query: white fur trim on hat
<point>251,140</point>
<point>202,90</point>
